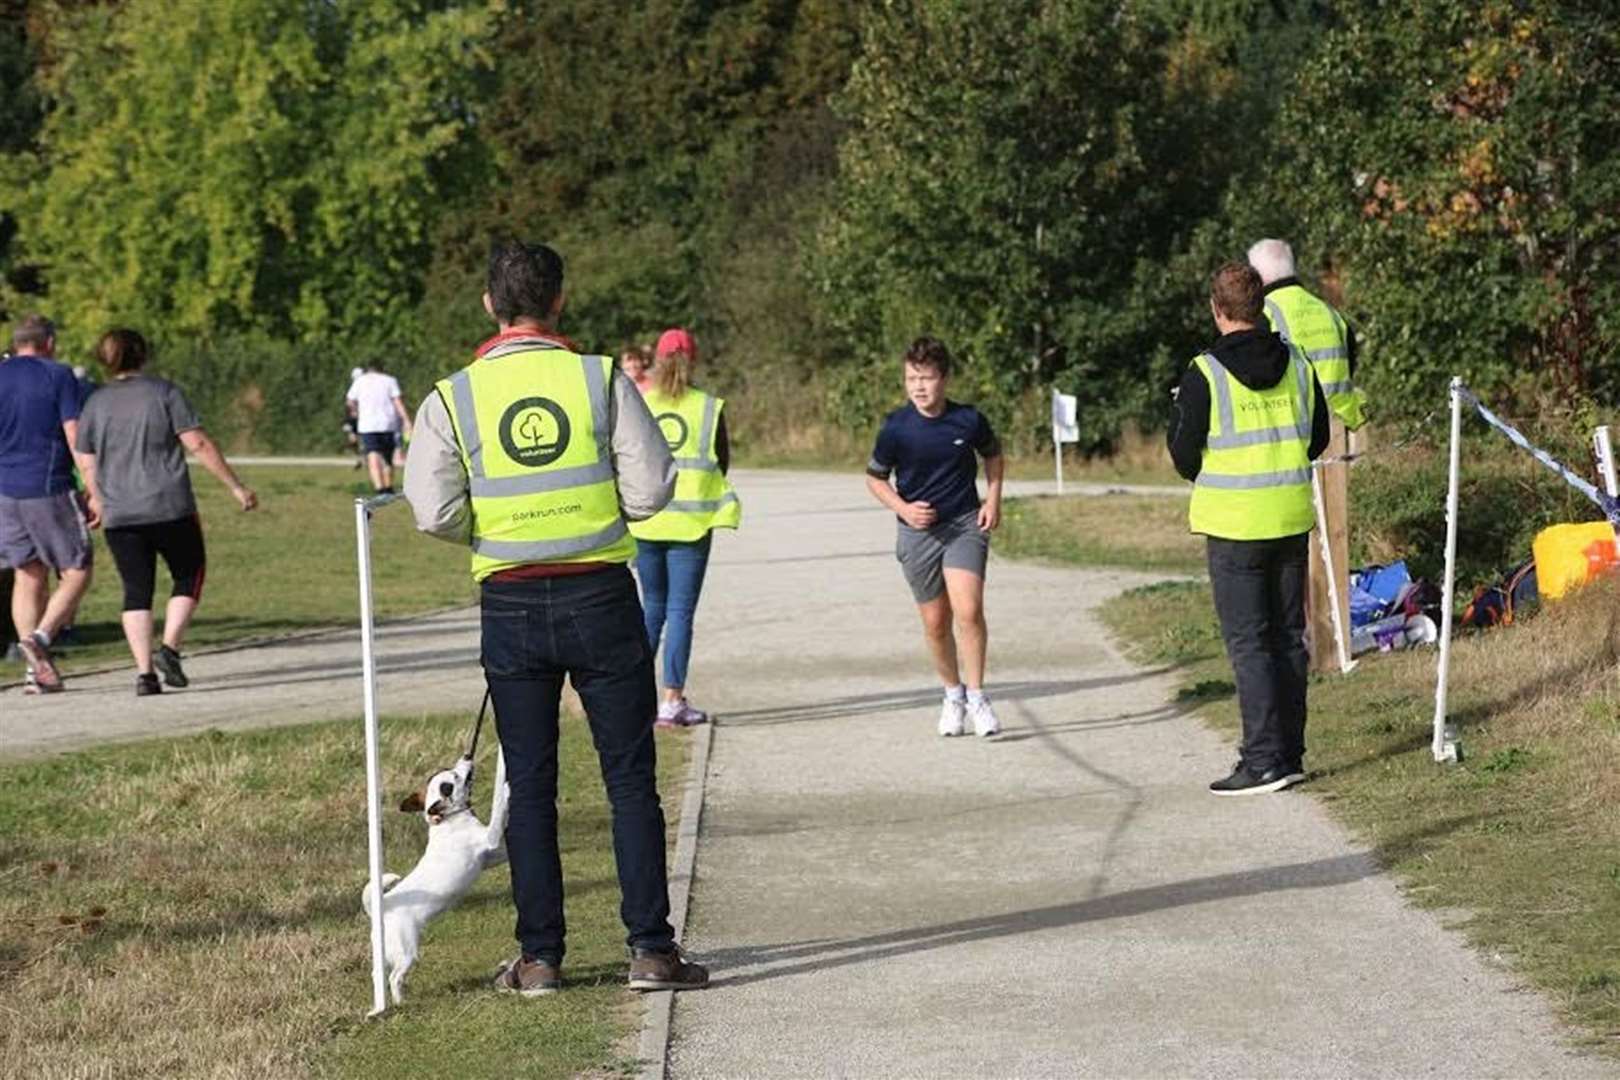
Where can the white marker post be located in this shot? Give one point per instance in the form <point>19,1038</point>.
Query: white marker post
<point>1603,450</point>
<point>1065,428</point>
<point>368,661</point>
<point>1446,747</point>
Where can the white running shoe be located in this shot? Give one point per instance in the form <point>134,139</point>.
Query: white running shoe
<point>952,717</point>
<point>984,718</point>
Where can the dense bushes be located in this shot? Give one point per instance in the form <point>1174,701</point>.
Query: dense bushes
<point>810,183</point>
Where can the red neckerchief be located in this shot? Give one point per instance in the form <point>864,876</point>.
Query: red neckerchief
<point>526,332</point>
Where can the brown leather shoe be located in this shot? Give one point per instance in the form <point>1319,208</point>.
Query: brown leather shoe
<point>531,978</point>
<point>669,970</point>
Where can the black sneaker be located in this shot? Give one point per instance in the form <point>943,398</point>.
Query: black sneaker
<point>1244,782</point>
<point>665,970</point>
<point>146,685</point>
<point>168,662</point>
<point>1295,770</point>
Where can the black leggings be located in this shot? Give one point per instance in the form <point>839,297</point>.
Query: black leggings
<point>135,549</point>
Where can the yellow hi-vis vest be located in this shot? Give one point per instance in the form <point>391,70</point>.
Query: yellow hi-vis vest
<point>703,499</point>
<point>1255,481</point>
<point>1315,327</point>
<point>531,421</point>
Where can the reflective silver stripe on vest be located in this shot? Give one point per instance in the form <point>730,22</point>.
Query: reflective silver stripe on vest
<point>1279,321</point>
<point>539,483</point>
<point>701,506</point>
<point>1230,439</point>
<point>596,389</point>
<point>467,420</point>
<point>1286,478</point>
<point>1333,389</point>
<point>704,461</point>
<point>1331,352</point>
<point>541,550</point>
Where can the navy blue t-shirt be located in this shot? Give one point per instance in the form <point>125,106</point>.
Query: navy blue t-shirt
<point>933,458</point>
<point>36,396</point>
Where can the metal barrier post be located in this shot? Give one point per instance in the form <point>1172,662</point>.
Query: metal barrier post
<point>1445,746</point>
<point>368,659</point>
<point>1603,449</point>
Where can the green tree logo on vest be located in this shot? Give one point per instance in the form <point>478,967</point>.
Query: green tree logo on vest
<point>673,425</point>
<point>534,431</point>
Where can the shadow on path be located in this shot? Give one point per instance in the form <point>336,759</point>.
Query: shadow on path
<point>802,958</point>
<point>896,701</point>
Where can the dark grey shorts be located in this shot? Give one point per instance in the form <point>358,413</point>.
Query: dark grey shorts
<point>379,442</point>
<point>51,530</point>
<point>925,554</point>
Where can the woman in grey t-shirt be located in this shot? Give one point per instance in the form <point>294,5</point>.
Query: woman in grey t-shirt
<point>138,429</point>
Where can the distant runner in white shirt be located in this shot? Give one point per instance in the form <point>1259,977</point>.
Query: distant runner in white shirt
<point>378,406</point>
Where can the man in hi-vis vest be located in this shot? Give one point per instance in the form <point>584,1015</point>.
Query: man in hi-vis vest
<point>1249,418</point>
<point>1329,343</point>
<point>535,456</point>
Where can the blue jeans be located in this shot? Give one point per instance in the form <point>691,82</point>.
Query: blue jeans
<point>588,628</point>
<point>671,573</point>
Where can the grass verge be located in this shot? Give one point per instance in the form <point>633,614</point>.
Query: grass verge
<point>1520,844</point>
<point>1142,532</point>
<point>289,565</point>
<point>191,907</point>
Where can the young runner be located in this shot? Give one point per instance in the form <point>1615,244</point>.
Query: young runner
<point>929,447</point>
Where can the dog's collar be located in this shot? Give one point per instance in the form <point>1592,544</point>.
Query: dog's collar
<point>448,814</point>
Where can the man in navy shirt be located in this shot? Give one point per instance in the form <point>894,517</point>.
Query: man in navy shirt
<point>44,526</point>
<point>931,448</point>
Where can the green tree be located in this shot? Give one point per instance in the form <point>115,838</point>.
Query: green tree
<point>627,136</point>
<point>1015,180</point>
<point>256,165</point>
<point>20,116</point>
<point>1456,166</point>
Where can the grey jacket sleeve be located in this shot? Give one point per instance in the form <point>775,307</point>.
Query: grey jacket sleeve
<point>641,457</point>
<point>435,479</point>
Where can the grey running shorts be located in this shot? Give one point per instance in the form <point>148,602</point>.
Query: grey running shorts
<point>924,554</point>
<point>51,529</point>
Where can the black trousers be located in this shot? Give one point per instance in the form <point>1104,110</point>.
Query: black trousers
<point>1260,588</point>
<point>590,629</point>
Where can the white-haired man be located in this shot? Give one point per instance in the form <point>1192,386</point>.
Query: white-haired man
<point>1310,322</point>
<point>1329,343</point>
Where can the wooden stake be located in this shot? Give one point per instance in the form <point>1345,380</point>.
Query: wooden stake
<point>1335,500</point>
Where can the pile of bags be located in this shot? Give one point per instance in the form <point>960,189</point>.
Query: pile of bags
<point>1388,610</point>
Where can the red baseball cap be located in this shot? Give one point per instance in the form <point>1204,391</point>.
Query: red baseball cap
<point>676,341</point>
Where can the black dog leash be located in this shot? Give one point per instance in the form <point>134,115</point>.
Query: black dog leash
<point>472,750</point>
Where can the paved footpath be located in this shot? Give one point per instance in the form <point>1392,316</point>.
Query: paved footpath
<point>1064,901</point>
<point>428,664</point>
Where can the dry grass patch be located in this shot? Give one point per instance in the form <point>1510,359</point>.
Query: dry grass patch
<point>1524,835</point>
<point>1144,532</point>
<point>191,907</point>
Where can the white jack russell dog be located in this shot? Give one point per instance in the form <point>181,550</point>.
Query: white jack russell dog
<point>459,849</point>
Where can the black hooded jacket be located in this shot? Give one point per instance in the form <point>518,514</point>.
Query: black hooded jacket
<point>1258,359</point>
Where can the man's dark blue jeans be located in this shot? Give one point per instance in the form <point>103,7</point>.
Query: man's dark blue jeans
<point>589,628</point>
